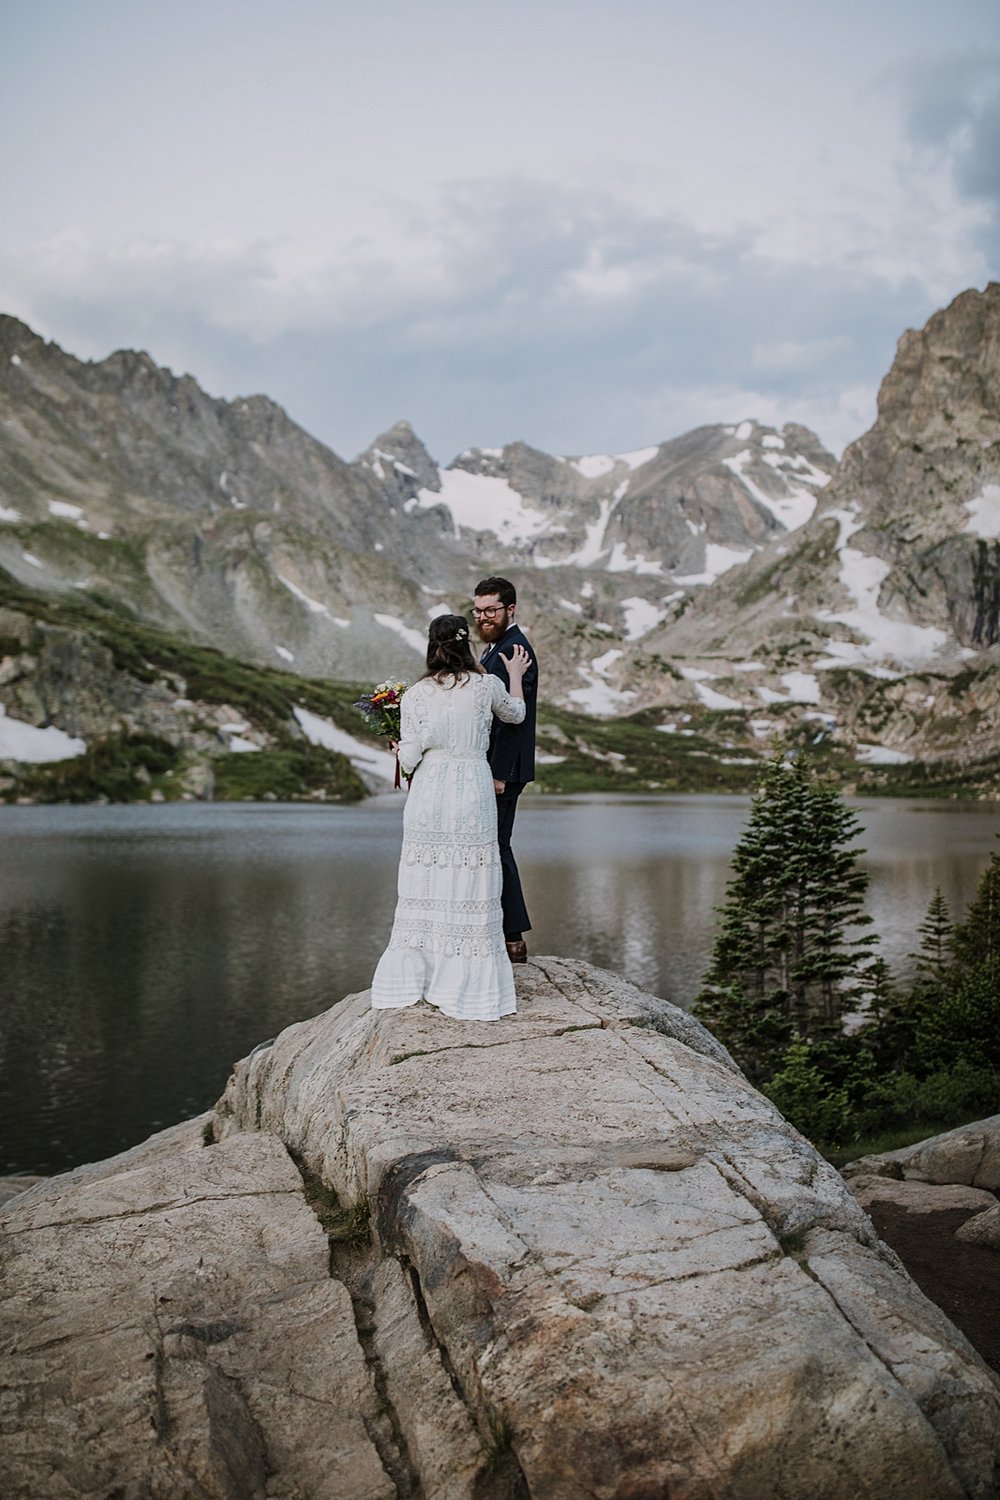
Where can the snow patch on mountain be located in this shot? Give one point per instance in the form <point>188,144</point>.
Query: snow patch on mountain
<point>594,466</point>
<point>620,562</point>
<point>312,605</point>
<point>862,576</point>
<point>800,687</point>
<point>66,512</point>
<point>639,457</point>
<point>593,545</point>
<point>320,731</point>
<point>598,697</point>
<point>29,744</point>
<point>792,509</point>
<point>412,637</point>
<point>881,755</point>
<point>718,560</point>
<point>10,516</point>
<point>713,699</point>
<point>484,502</point>
<point>602,663</point>
<point>984,513</point>
<point>641,616</point>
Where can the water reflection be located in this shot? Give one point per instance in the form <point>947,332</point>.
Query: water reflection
<point>142,950</point>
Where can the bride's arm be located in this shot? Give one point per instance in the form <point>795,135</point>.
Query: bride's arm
<point>410,748</point>
<point>509,706</point>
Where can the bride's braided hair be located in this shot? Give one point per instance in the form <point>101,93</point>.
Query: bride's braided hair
<point>448,651</point>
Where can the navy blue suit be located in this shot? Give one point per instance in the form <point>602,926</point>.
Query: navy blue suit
<point>512,761</point>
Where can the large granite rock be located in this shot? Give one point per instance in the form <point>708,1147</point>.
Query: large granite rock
<point>958,1169</point>
<point>969,1156</point>
<point>600,1265</point>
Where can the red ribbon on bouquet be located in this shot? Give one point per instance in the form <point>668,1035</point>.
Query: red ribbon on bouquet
<point>397,784</point>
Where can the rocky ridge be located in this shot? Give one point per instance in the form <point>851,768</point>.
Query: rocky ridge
<point>226,521</point>
<point>573,1254</point>
<point>716,575</point>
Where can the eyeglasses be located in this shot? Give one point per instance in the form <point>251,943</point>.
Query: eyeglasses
<point>489,612</point>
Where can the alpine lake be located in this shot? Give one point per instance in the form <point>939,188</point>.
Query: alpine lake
<point>143,949</point>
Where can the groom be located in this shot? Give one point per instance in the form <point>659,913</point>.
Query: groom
<point>512,746</point>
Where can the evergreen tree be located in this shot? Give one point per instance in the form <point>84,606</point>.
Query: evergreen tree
<point>977,939</point>
<point>894,1019</point>
<point>786,961</point>
<point>963,1023</point>
<point>936,939</point>
<point>965,1027</point>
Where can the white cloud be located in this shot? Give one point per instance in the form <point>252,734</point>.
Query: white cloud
<point>576,266</point>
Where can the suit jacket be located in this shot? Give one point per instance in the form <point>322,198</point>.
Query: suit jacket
<point>512,746</point>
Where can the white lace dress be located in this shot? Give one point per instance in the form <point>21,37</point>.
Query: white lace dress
<point>447,944</point>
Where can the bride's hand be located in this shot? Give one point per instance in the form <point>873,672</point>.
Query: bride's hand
<point>517,663</point>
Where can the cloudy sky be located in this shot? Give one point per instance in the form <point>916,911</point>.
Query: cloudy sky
<point>587,224</point>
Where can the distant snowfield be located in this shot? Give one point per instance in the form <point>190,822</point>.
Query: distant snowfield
<point>862,575</point>
<point>34,746</point>
<point>320,731</point>
<point>10,516</point>
<point>596,465</point>
<point>792,509</point>
<point>640,617</point>
<point>413,638</point>
<point>598,697</point>
<point>801,687</point>
<point>483,502</point>
<point>713,699</point>
<point>312,605</point>
<point>881,755</point>
<point>718,560</point>
<point>709,697</point>
<point>65,511</point>
<point>984,514</point>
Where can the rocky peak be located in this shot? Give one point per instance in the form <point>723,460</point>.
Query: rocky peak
<point>899,569</point>
<point>16,337</point>
<point>942,392</point>
<point>399,461</point>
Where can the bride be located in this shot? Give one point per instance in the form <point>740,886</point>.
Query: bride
<point>447,944</point>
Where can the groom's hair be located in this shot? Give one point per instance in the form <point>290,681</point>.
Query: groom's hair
<point>502,587</point>
<point>448,651</point>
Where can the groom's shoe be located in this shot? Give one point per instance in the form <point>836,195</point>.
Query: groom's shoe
<point>517,950</point>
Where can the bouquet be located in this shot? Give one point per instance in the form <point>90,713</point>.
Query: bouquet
<point>380,711</point>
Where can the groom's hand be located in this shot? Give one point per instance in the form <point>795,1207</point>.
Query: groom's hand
<point>499,787</point>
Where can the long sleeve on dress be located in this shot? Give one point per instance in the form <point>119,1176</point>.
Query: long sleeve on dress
<point>510,710</point>
<point>411,737</point>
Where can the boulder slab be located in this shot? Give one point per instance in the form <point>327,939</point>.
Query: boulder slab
<point>629,1261</point>
<point>599,1265</point>
<point>968,1155</point>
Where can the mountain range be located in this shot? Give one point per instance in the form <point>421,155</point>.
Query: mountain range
<point>735,579</point>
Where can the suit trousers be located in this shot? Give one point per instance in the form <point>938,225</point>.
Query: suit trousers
<point>515,913</point>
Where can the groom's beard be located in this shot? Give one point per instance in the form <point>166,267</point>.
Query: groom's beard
<point>492,630</point>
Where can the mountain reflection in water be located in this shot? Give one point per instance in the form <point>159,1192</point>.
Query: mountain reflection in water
<point>143,950</point>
